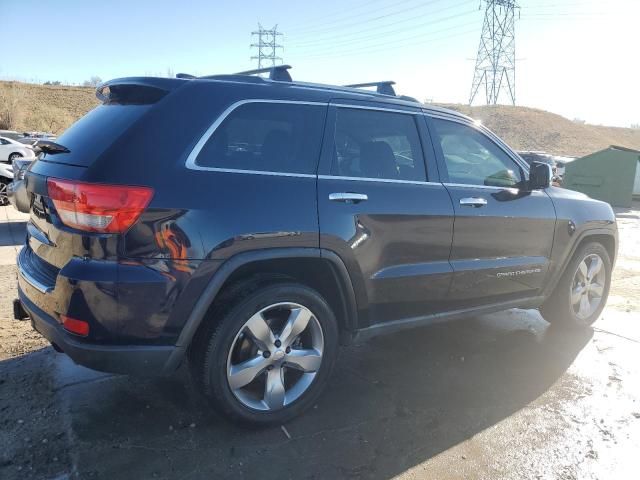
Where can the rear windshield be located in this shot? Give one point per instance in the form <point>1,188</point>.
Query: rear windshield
<point>90,136</point>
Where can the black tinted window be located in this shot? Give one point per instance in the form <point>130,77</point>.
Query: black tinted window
<point>268,137</point>
<point>472,158</point>
<point>377,144</point>
<point>96,131</point>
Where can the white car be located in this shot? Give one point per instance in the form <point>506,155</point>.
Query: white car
<point>11,149</point>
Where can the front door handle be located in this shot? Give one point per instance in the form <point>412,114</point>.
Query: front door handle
<point>348,197</point>
<point>475,202</point>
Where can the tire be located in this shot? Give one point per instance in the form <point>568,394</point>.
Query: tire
<point>13,156</point>
<point>561,308</point>
<point>4,199</point>
<point>227,343</point>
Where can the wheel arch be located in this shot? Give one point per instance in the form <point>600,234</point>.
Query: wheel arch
<point>606,237</point>
<point>319,269</point>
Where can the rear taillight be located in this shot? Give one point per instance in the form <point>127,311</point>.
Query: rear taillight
<point>79,327</point>
<point>98,208</point>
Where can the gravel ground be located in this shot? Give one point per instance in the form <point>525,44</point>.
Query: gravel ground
<point>33,442</point>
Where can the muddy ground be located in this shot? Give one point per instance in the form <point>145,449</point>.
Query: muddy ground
<point>491,397</point>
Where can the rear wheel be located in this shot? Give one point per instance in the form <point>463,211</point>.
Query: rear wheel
<point>268,357</point>
<point>582,292</point>
<point>4,199</point>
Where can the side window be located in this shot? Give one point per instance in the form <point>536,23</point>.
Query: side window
<point>472,158</point>
<point>377,144</point>
<point>3,142</point>
<point>267,137</point>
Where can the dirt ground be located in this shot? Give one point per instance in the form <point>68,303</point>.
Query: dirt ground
<point>489,397</point>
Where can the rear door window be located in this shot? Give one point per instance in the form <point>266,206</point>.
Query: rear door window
<point>377,144</point>
<point>267,137</point>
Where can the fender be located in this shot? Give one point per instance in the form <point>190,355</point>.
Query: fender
<point>551,285</point>
<point>232,264</point>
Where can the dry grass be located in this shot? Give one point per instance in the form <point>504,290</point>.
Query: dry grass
<point>532,129</point>
<point>44,107</point>
<point>26,106</point>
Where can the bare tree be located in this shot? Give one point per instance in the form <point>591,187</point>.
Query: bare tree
<point>92,82</point>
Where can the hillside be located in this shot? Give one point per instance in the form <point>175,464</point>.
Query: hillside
<point>532,129</point>
<point>54,108</point>
<point>43,107</point>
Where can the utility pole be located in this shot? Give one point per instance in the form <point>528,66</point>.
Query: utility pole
<point>267,46</point>
<point>496,60</point>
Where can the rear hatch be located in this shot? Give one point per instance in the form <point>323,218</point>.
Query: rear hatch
<point>70,215</point>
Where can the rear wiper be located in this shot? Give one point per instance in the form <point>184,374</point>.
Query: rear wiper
<point>47,146</point>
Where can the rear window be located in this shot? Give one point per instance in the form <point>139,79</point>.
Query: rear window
<point>95,132</point>
<point>267,137</point>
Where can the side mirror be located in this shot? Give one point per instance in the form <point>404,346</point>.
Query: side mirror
<point>540,175</point>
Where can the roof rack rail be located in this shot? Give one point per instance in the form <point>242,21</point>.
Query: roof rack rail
<point>278,73</point>
<point>385,88</point>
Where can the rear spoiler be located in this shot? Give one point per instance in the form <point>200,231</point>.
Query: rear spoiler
<point>135,90</point>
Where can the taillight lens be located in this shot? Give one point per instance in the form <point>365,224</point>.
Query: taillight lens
<point>96,207</point>
<point>79,327</point>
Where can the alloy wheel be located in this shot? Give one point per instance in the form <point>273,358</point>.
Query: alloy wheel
<point>275,356</point>
<point>587,287</point>
<point>4,198</point>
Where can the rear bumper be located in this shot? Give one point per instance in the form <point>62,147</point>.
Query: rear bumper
<point>126,359</point>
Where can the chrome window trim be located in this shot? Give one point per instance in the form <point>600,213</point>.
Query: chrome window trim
<point>190,163</point>
<point>259,172</point>
<point>486,132</point>
<point>382,109</point>
<point>379,180</point>
<point>480,187</point>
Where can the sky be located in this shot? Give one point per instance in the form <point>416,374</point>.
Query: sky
<point>578,58</point>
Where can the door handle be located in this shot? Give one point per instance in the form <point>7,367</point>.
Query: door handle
<point>475,202</point>
<point>348,197</point>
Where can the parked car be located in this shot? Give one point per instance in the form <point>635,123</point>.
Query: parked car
<point>6,177</point>
<point>531,156</point>
<point>11,149</point>
<point>556,162</point>
<point>16,191</point>
<point>249,225</point>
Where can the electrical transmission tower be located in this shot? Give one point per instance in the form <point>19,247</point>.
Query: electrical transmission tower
<point>496,60</point>
<point>267,46</point>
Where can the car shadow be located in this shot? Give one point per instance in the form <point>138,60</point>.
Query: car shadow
<point>391,404</point>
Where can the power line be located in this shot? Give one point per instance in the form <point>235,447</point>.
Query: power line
<point>429,41</point>
<point>330,27</point>
<point>394,44</point>
<point>380,33</point>
<point>323,19</point>
<point>496,59</point>
<point>267,45</point>
<point>339,47</point>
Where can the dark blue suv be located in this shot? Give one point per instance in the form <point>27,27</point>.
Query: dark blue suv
<point>249,225</point>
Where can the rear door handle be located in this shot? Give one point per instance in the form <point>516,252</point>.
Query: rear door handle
<point>475,202</point>
<point>348,197</point>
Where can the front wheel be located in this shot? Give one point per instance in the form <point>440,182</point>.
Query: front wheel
<point>14,156</point>
<point>269,356</point>
<point>581,293</point>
